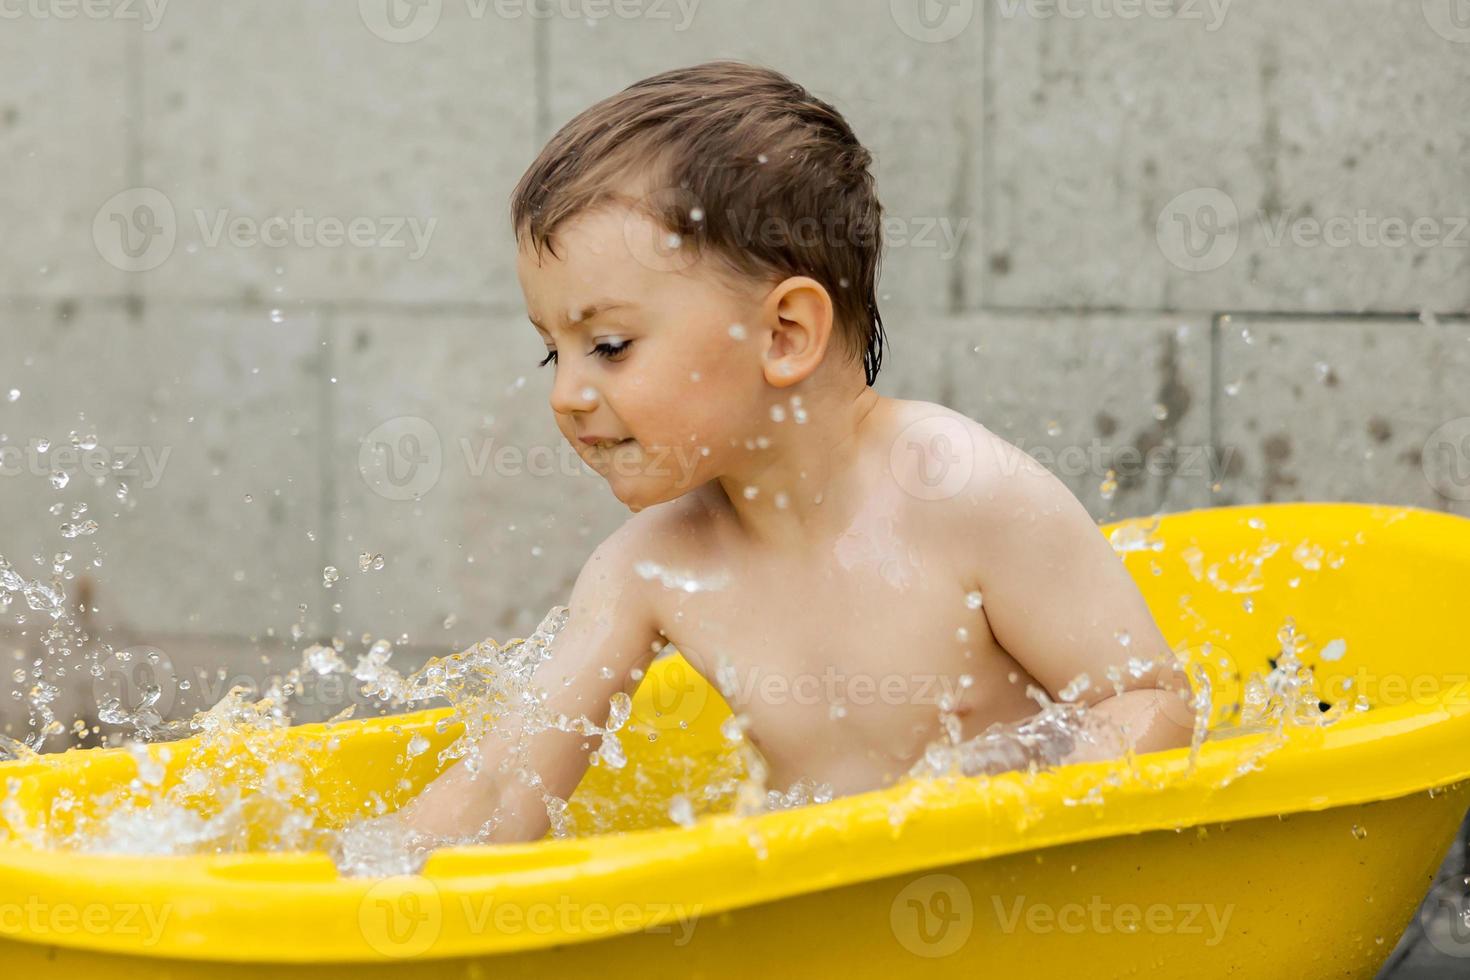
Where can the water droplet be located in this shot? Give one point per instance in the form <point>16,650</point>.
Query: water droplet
<point>1161,411</point>
<point>1075,687</point>
<point>778,414</point>
<point>60,479</point>
<point>1108,487</point>
<point>974,600</point>
<point>750,492</point>
<point>737,331</point>
<point>696,214</point>
<point>1053,427</point>
<point>14,395</point>
<point>417,746</point>
<point>589,394</point>
<point>1123,637</point>
<point>78,530</point>
<point>248,498</point>
<point>681,811</point>
<point>782,500</point>
<point>962,634</point>
<point>368,562</point>
<point>1232,388</point>
<point>330,575</point>
<point>1359,832</point>
<point>277,316</point>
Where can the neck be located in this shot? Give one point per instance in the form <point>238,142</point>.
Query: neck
<point>803,480</point>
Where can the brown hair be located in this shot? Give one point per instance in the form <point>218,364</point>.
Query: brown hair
<point>746,164</point>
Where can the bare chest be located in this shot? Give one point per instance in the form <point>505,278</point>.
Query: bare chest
<point>843,660</point>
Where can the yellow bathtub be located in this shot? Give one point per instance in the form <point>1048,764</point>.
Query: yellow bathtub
<point>1309,866</point>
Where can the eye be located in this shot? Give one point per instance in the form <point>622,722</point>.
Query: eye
<point>610,351</point>
<point>550,356</point>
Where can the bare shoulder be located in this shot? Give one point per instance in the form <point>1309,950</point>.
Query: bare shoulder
<point>938,454</point>
<point>659,536</point>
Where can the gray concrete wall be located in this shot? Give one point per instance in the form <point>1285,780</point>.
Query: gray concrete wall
<point>1106,244</point>
<point>1218,247</point>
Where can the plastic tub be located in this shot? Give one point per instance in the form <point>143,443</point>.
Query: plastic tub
<point>1309,866</point>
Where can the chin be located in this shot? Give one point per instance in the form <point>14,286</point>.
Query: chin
<point>636,497</point>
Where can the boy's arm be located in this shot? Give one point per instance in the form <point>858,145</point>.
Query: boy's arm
<point>1062,603</point>
<point>610,632</point>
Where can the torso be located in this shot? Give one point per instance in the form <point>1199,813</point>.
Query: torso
<point>868,620</point>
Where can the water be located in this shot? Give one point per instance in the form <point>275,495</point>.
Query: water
<point>239,786</point>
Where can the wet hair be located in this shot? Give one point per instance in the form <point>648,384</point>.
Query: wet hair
<point>739,162</point>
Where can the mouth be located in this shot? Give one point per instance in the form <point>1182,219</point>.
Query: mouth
<point>607,444</point>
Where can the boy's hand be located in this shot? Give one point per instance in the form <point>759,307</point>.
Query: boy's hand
<point>610,632</point>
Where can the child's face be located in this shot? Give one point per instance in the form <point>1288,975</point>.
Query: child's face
<point>645,351</point>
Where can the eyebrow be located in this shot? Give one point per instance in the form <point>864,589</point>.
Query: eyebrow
<point>586,313</point>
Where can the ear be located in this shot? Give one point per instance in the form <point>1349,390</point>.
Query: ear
<point>799,312</point>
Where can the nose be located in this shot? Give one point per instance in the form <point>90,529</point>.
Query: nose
<point>571,392</point>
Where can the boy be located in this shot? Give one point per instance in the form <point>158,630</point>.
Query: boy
<point>700,254</point>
